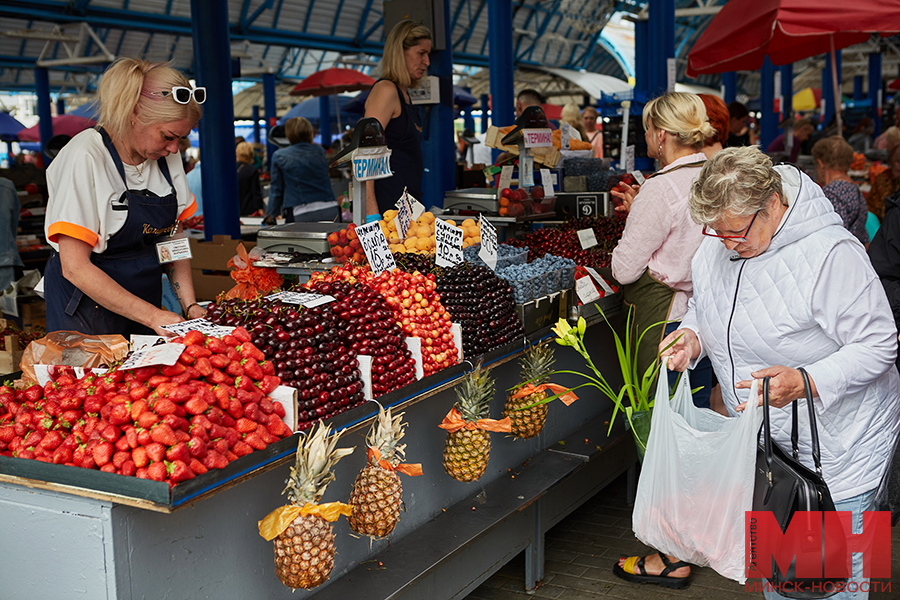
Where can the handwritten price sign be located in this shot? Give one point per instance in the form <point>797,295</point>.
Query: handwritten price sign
<point>449,239</point>
<point>488,251</point>
<point>375,245</point>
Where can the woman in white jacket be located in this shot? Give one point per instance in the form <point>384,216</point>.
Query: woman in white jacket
<point>779,283</point>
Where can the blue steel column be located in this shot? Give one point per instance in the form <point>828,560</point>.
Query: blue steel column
<point>45,126</point>
<point>662,48</point>
<point>641,59</point>
<point>468,119</point>
<point>325,120</point>
<point>729,82</point>
<point>874,88</point>
<point>858,89</point>
<point>828,87</point>
<point>485,108</point>
<point>256,134</point>
<point>768,126</point>
<point>439,149</point>
<point>503,99</point>
<point>271,114</point>
<point>60,106</point>
<point>787,90</point>
<point>211,43</point>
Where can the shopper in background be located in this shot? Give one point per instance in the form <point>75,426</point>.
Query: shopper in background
<point>403,65</point>
<point>300,189</point>
<point>249,192</point>
<point>885,184</point>
<point>888,140</point>
<point>802,128</point>
<point>572,115</point>
<point>770,295</point>
<point>739,132</point>
<point>116,191</point>
<point>884,252</point>
<point>833,156</point>
<point>653,258</point>
<point>9,225</point>
<point>594,128</point>
<point>720,119</point>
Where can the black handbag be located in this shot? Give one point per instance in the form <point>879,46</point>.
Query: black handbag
<point>888,495</point>
<point>784,487</point>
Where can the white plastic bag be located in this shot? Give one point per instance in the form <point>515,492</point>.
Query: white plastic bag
<point>697,480</point>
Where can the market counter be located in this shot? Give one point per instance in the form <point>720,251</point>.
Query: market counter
<point>91,546</point>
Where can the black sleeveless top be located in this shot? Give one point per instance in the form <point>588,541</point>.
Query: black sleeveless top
<point>404,137</point>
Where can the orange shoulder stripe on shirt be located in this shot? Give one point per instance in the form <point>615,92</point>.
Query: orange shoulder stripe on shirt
<point>73,231</point>
<point>190,210</point>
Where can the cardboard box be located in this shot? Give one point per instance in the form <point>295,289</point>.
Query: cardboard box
<point>543,312</point>
<point>215,255</point>
<point>208,286</point>
<point>10,355</point>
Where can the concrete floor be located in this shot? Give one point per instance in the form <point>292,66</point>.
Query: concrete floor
<point>582,549</point>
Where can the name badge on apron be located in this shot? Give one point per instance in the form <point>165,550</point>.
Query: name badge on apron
<point>172,250</point>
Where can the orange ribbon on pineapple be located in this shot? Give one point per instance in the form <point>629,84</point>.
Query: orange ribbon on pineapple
<point>454,422</point>
<point>565,394</point>
<point>280,519</point>
<point>411,469</point>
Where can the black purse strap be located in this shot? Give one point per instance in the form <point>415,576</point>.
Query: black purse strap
<point>767,431</point>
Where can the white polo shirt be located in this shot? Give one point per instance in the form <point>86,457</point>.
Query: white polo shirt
<point>83,183</point>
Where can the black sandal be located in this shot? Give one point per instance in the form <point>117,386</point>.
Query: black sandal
<point>662,579</point>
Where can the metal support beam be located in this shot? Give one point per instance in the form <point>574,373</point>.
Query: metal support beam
<point>501,61</point>
<point>217,125</point>
<point>641,59</point>
<point>485,108</point>
<point>828,87</point>
<point>768,123</point>
<point>45,125</point>
<point>787,90</point>
<point>875,89</point>
<point>60,106</point>
<point>662,32</point>
<point>257,137</point>
<point>729,87</point>
<point>439,145</point>
<point>858,88</point>
<point>325,119</point>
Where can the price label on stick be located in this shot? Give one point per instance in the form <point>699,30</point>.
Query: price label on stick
<point>599,279</point>
<point>488,250</point>
<point>629,158</point>
<point>302,298</point>
<point>587,238</point>
<point>506,174</point>
<point>526,177</point>
<point>449,240</point>
<point>202,325</point>
<point>547,182</point>
<point>375,245</point>
<point>586,291</point>
<point>404,215</point>
<point>564,136</point>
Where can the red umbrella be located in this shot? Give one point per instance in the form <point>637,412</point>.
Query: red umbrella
<point>746,31</point>
<point>62,125</point>
<point>328,82</point>
<point>553,111</point>
<point>895,84</point>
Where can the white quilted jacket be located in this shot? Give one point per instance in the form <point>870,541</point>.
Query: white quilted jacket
<point>810,300</point>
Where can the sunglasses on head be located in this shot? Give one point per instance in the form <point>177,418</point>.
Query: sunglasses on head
<point>182,94</point>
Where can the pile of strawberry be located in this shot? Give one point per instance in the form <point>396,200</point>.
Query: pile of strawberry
<point>165,423</point>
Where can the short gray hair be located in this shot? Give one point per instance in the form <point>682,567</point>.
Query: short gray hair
<point>739,181</point>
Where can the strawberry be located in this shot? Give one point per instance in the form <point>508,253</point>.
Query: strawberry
<point>241,334</point>
<point>179,451</point>
<point>139,456</point>
<point>119,459</point>
<point>121,444</point>
<point>156,452</point>
<point>242,448</point>
<point>231,341</point>
<point>139,407</point>
<point>172,370</point>
<point>182,436</point>
<point>142,473</point>
<point>245,425</point>
<point>128,468</point>
<point>232,436</point>
<point>277,428</point>
<point>186,359</point>
<point>215,460</point>
<point>52,408</point>
<point>197,467</point>
<point>196,406</point>
<point>215,415</point>
<point>215,431</point>
<point>180,394</point>
<point>179,471</point>
<point>231,456</point>
<point>32,439</point>
<point>217,377</point>
<point>266,435</point>
<point>228,420</point>
<point>201,421</point>
<point>197,447</point>
<point>252,369</point>
<point>147,420</point>
<point>62,455</point>
<point>154,381</point>
<point>268,368</point>
<point>246,396</point>
<point>102,453</point>
<point>244,383</point>
<point>279,409</point>
<point>216,345</point>
<point>220,446</point>
<point>110,432</point>
<point>108,468</point>
<point>255,441</point>
<point>251,411</point>
<point>268,383</point>
<point>138,392</point>
<point>164,406</point>
<point>176,423</point>
<point>52,440</point>
<point>235,408</point>
<point>7,433</point>
<point>72,401</point>
<point>93,404</point>
<point>251,352</point>
<point>34,393</point>
<point>197,352</point>
<point>219,361</point>
<point>105,411</point>
<point>194,338</point>
<point>163,434</point>
<point>203,366</point>
<point>131,436</point>
<point>144,438</point>
<point>233,354</point>
<point>234,369</point>
<point>266,407</point>
<point>157,471</point>
<point>120,414</point>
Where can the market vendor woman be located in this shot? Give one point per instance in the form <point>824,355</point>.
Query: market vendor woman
<point>116,192</point>
<point>404,64</point>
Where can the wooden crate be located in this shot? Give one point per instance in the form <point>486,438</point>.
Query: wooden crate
<point>10,355</point>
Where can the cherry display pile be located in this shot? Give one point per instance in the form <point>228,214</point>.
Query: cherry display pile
<point>564,241</point>
<point>165,423</point>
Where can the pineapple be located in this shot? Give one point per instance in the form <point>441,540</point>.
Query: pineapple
<point>466,451</point>
<point>376,493</point>
<point>304,552</point>
<point>528,422</point>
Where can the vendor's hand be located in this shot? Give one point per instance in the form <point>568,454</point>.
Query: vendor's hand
<point>165,317</point>
<point>685,348</point>
<point>269,221</point>
<point>625,193</point>
<point>785,386</point>
<point>196,312</point>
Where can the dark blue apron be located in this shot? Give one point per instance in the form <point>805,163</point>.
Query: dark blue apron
<point>130,259</point>
<point>403,136</point>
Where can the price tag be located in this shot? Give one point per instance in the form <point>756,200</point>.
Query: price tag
<point>416,208</point>
<point>599,279</point>
<point>506,177</point>
<point>629,158</point>
<point>587,238</point>
<point>587,206</point>
<point>372,163</point>
<point>547,181</point>
<point>586,291</point>
<point>404,215</point>
<point>639,177</point>
<point>537,138</point>
<point>375,245</point>
<point>165,354</point>
<point>488,250</point>
<point>448,244</point>
<point>526,164</point>
<point>564,136</point>
<point>303,299</point>
<point>670,76</point>
<point>202,325</point>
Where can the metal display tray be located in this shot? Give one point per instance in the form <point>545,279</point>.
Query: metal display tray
<point>309,231</point>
